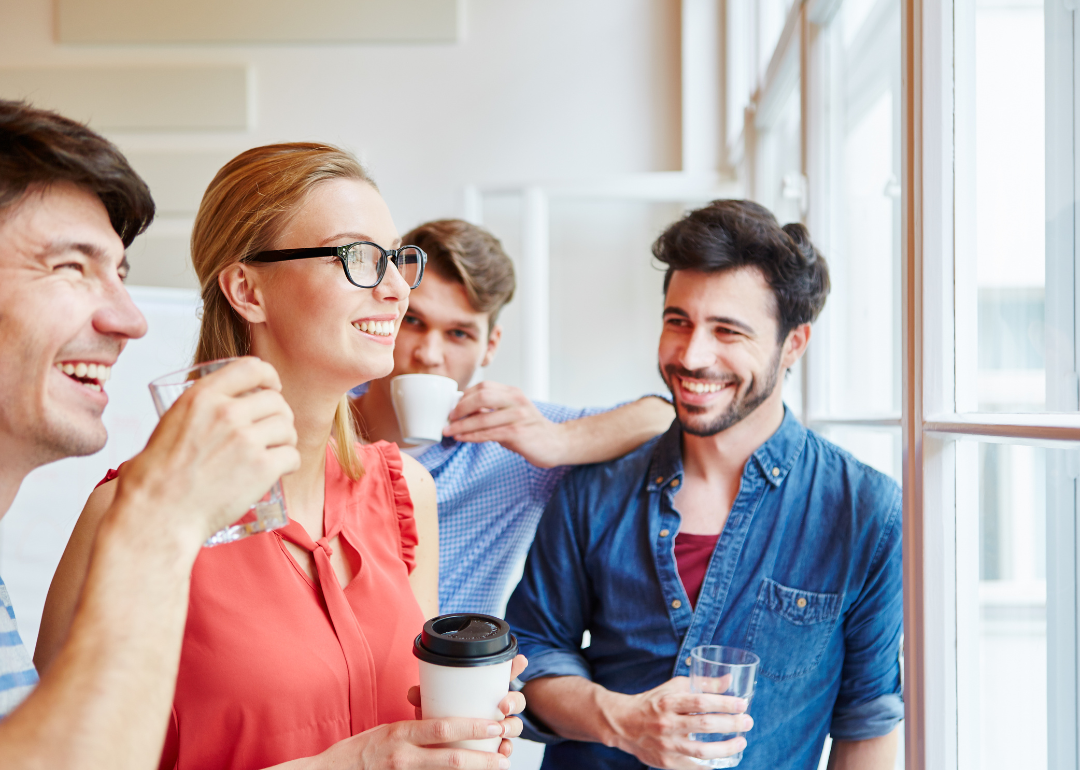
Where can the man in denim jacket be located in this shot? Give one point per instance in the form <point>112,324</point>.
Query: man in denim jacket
<point>737,527</point>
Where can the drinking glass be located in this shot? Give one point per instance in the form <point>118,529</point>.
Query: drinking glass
<point>266,514</point>
<point>722,671</point>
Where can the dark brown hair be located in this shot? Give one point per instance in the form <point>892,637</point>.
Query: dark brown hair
<point>729,234</point>
<point>40,148</point>
<point>463,252</point>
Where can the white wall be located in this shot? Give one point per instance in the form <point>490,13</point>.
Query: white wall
<point>531,92</point>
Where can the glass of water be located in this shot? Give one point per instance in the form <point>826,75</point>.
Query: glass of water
<point>266,514</point>
<point>722,671</point>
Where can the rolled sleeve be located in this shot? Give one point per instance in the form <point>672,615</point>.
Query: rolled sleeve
<point>556,663</point>
<point>869,703</point>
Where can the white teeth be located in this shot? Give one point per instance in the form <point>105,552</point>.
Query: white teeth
<point>99,372</point>
<point>68,369</point>
<point>80,369</point>
<point>380,328</point>
<point>702,387</point>
<point>91,371</point>
<point>94,386</point>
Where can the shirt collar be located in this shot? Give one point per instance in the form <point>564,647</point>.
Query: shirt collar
<point>775,457</point>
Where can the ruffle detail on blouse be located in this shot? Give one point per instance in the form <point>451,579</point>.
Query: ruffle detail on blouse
<point>403,504</point>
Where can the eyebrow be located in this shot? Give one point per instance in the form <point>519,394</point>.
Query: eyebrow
<point>358,237</point>
<point>716,319</point>
<point>464,325</point>
<point>91,250</point>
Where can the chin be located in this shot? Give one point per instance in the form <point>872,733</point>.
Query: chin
<point>73,438</point>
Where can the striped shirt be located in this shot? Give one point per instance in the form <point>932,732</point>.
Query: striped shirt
<point>17,673</point>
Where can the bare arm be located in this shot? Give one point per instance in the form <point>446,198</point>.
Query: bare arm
<point>104,700</point>
<point>424,578</point>
<point>654,725</point>
<point>872,754</point>
<point>493,412</point>
<point>67,583</point>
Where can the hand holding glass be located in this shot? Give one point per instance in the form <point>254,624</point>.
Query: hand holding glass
<point>269,512</point>
<point>722,671</point>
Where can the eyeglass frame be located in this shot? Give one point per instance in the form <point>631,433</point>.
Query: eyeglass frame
<point>385,256</point>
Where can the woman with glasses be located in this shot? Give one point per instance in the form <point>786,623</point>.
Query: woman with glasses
<point>298,643</point>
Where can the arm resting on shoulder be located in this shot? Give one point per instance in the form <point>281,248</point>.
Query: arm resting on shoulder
<point>605,436</point>
<point>871,754</point>
<point>424,578</point>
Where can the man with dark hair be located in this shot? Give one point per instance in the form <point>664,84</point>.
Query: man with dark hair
<point>738,527</point>
<point>503,454</point>
<point>69,206</point>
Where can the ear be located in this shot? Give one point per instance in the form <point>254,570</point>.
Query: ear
<point>492,345</point>
<point>795,345</point>
<point>239,284</point>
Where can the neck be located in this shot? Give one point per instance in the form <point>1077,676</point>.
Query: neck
<point>374,412</point>
<point>19,461</point>
<point>721,458</point>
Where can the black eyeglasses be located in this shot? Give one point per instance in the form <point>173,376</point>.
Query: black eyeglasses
<point>364,262</point>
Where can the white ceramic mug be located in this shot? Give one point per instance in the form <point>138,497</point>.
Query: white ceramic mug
<point>422,403</point>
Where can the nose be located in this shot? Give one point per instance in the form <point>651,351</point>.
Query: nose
<point>698,353</point>
<point>392,287</point>
<point>118,316</point>
<point>429,353</point>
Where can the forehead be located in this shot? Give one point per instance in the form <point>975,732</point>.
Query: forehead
<point>58,214</point>
<point>741,292</point>
<point>444,301</point>
<point>337,211</point>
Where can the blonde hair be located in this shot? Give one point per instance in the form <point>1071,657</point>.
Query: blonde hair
<point>244,210</point>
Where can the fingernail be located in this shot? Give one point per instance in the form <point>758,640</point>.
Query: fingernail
<point>504,764</point>
<point>495,729</point>
<point>744,704</point>
<point>748,722</point>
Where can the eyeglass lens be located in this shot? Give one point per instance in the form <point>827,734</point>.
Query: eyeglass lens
<point>362,260</point>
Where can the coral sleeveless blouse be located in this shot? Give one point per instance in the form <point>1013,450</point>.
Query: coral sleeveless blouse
<point>275,666</point>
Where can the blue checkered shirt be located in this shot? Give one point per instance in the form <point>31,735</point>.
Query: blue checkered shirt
<point>490,500</point>
<point>17,673</point>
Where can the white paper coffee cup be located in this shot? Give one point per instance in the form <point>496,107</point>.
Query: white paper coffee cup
<point>422,402</point>
<point>465,662</point>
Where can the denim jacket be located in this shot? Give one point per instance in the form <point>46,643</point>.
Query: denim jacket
<point>806,574</point>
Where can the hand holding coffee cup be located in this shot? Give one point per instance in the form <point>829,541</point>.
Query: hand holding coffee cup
<point>466,663</point>
<point>422,403</point>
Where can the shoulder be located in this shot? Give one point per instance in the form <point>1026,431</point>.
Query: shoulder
<point>873,493</point>
<point>615,477</point>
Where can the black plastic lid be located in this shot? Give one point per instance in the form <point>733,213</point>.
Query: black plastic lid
<point>465,639</point>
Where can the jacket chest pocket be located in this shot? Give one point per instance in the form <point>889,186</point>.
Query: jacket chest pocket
<point>790,629</point>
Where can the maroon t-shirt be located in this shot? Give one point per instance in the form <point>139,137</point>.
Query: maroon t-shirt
<point>692,554</point>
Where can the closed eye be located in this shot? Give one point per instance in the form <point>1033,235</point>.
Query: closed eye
<point>71,266</point>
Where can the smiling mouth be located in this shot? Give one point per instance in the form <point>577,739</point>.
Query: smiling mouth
<point>93,376</point>
<point>693,386</point>
<point>378,328</point>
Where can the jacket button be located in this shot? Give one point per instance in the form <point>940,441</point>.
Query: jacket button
<point>775,471</point>
<point>675,482</point>
<point>659,479</point>
<point>801,602</point>
<point>688,661</point>
<point>676,604</point>
<point>664,533</point>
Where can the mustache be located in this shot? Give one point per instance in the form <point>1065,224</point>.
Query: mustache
<point>671,371</point>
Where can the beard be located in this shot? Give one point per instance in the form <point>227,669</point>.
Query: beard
<point>691,417</point>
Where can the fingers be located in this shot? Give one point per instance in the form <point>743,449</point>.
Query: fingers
<point>464,759</point>
<point>714,723</point>
<point>513,703</point>
<point>710,749</point>
<point>488,396</point>
<point>435,732</point>
<point>484,421</point>
<point>240,376</point>
<point>698,703</point>
<point>512,726</point>
<point>519,665</point>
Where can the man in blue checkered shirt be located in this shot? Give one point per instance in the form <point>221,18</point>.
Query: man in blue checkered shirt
<point>502,454</point>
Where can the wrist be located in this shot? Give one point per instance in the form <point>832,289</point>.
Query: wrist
<point>143,522</point>
<point>612,708</point>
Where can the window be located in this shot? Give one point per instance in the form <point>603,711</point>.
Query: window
<point>929,145</point>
